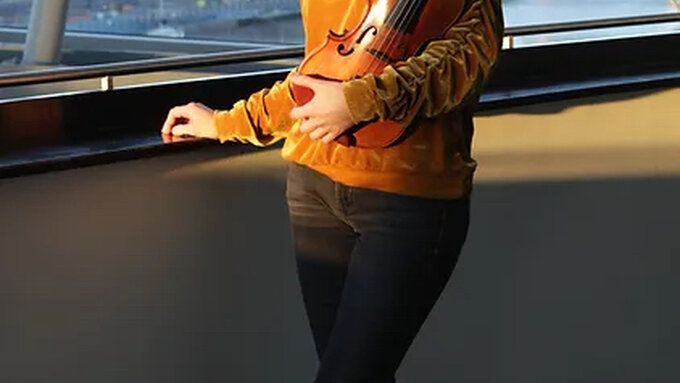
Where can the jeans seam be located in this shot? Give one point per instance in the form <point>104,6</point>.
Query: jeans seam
<point>350,196</point>
<point>343,197</point>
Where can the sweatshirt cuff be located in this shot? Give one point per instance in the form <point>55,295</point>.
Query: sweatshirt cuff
<point>360,98</point>
<point>222,125</point>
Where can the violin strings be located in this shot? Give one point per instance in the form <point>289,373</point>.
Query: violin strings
<point>400,19</point>
<point>381,44</point>
<point>405,14</point>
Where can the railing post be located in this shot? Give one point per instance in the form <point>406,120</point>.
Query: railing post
<point>509,42</point>
<point>45,32</point>
<point>106,83</point>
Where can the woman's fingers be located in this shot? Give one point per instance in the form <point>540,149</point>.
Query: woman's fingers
<point>309,124</point>
<point>302,112</point>
<point>316,130</point>
<point>173,115</point>
<point>183,130</point>
<point>318,133</point>
<point>330,136</point>
<point>192,119</point>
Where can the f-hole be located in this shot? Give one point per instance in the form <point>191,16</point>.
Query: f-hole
<point>342,49</point>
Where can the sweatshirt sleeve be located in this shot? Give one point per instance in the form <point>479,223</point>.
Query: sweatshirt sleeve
<point>438,79</point>
<point>261,120</point>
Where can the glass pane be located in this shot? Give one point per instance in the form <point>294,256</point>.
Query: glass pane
<point>106,31</point>
<point>268,21</point>
<point>14,13</point>
<point>530,12</point>
<point>535,12</point>
<point>595,35</point>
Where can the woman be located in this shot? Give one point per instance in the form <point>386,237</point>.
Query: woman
<point>377,232</point>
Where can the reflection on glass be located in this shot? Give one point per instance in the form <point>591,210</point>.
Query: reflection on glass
<point>531,12</point>
<point>277,21</point>
<point>534,12</point>
<point>274,21</point>
<point>174,27</point>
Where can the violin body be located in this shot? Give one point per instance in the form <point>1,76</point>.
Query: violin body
<point>390,31</point>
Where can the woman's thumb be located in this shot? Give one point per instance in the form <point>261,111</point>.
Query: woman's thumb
<point>302,80</point>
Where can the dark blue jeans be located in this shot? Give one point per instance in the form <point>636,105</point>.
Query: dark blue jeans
<point>371,266</point>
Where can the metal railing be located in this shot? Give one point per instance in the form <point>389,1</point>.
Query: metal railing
<point>107,71</point>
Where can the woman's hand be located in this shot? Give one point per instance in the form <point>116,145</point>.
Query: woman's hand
<point>326,115</point>
<point>192,119</point>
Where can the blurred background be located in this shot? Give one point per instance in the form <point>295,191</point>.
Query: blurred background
<point>277,21</point>
<point>125,258</point>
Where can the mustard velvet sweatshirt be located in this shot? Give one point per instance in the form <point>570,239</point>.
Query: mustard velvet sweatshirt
<point>433,93</point>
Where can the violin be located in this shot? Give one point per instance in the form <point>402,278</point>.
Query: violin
<point>390,31</point>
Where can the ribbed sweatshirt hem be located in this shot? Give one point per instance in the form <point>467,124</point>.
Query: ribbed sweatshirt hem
<point>444,185</point>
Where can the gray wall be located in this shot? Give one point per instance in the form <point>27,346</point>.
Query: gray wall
<point>179,269</point>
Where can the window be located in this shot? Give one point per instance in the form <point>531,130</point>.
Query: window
<point>14,13</point>
<point>265,21</point>
<point>106,31</point>
<point>529,12</point>
<point>541,12</point>
<point>218,25</point>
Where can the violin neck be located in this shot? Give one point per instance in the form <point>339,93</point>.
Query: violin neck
<point>405,14</point>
